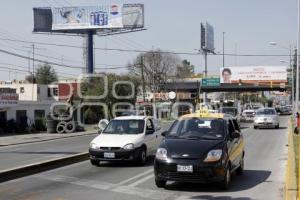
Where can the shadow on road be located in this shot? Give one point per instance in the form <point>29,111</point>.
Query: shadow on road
<point>210,197</point>
<point>248,180</point>
<point>280,128</point>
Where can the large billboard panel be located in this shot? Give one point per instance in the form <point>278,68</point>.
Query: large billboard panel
<point>207,37</point>
<point>98,18</point>
<point>254,74</point>
<point>87,17</point>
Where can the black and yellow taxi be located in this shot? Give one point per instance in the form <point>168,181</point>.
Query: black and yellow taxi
<point>200,148</point>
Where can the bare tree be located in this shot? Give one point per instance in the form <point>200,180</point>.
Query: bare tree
<point>156,67</point>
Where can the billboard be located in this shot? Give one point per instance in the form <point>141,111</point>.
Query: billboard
<point>77,19</point>
<point>87,17</point>
<point>207,37</point>
<point>254,74</point>
<point>8,97</point>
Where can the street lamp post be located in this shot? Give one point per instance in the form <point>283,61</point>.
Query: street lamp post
<point>297,69</point>
<point>292,69</point>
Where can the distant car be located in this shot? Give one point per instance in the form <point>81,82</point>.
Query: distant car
<point>127,138</point>
<point>285,110</point>
<point>266,118</point>
<point>247,116</point>
<point>231,111</point>
<point>200,148</point>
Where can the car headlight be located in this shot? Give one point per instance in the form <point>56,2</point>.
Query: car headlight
<point>214,155</point>
<point>94,146</point>
<point>161,154</point>
<point>129,146</point>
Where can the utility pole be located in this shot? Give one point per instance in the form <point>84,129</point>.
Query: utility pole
<point>33,48</point>
<point>143,78</point>
<point>223,49</point>
<point>297,70</point>
<point>29,55</point>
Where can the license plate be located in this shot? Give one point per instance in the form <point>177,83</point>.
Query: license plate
<point>109,155</point>
<point>184,168</point>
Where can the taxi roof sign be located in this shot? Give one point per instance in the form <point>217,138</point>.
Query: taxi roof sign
<point>203,113</point>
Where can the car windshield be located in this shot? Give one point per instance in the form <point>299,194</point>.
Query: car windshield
<point>266,112</point>
<point>125,127</point>
<point>231,111</point>
<point>195,128</point>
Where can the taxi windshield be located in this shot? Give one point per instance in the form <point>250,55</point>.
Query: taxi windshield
<point>195,128</point>
<point>125,127</point>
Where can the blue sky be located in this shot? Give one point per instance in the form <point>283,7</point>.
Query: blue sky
<point>172,25</point>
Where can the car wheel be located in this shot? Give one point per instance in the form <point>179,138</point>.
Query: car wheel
<point>240,169</point>
<point>255,127</point>
<point>277,127</point>
<point>226,181</point>
<point>142,156</point>
<point>160,183</point>
<point>95,162</point>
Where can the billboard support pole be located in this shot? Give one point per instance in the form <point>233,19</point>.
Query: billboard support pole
<point>205,74</point>
<point>90,53</point>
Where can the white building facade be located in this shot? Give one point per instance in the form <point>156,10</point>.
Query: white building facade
<point>19,100</point>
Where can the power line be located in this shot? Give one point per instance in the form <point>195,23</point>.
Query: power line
<point>53,63</point>
<point>143,51</point>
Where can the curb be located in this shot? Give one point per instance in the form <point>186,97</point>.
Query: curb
<point>44,140</point>
<point>26,170</point>
<point>290,173</point>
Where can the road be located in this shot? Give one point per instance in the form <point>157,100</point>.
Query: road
<point>265,160</point>
<point>14,156</point>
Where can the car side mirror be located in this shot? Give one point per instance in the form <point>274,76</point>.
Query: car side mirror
<point>102,124</point>
<point>149,132</point>
<point>235,134</point>
<point>164,133</point>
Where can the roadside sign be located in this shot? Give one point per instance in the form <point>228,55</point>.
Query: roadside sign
<point>210,82</point>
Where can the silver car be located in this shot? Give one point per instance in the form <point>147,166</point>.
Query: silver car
<point>266,118</point>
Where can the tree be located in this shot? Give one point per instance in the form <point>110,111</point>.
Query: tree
<point>30,78</point>
<point>45,74</point>
<point>185,70</point>
<point>94,86</point>
<point>157,67</point>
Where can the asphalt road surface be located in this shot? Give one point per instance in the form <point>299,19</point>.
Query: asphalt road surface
<point>265,161</point>
<point>14,156</point>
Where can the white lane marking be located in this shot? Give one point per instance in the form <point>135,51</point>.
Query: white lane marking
<point>76,181</point>
<point>135,177</point>
<point>141,180</point>
<point>145,193</point>
<point>140,192</point>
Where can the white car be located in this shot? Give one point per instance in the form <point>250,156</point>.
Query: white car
<point>248,116</point>
<point>266,118</point>
<point>126,138</point>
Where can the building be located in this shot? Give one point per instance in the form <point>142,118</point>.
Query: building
<point>20,100</point>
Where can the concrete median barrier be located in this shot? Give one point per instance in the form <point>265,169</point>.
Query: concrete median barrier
<point>291,177</point>
<point>34,168</point>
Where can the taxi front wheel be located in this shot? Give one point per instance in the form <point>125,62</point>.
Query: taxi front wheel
<point>240,169</point>
<point>95,162</point>
<point>160,183</point>
<point>224,184</point>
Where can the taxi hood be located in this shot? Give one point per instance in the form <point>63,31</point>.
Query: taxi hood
<point>188,148</point>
